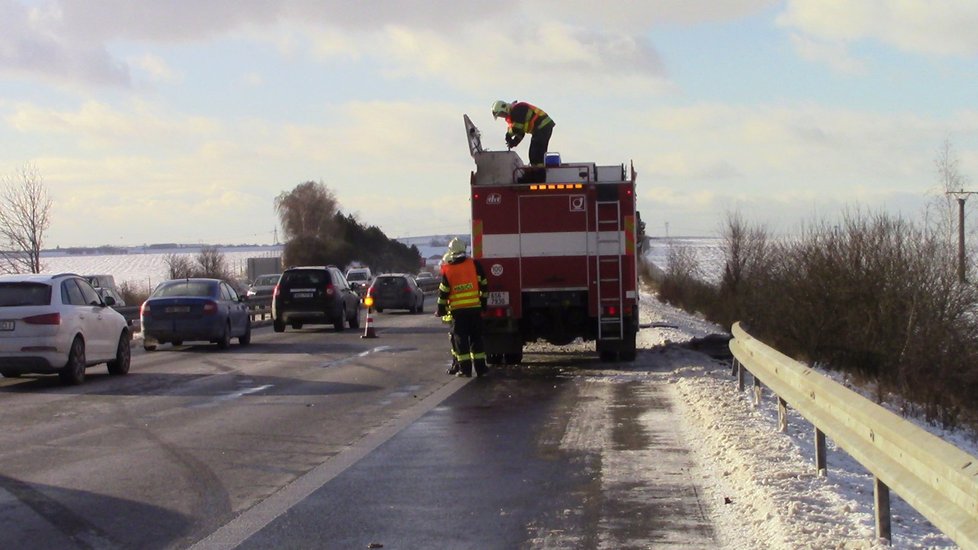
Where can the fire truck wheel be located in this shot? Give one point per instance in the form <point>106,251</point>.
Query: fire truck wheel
<point>609,356</point>
<point>513,358</point>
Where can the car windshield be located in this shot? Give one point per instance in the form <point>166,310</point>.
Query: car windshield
<point>266,280</point>
<point>357,276</point>
<point>186,288</point>
<point>24,294</point>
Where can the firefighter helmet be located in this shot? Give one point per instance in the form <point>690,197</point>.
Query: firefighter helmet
<point>500,108</point>
<point>456,249</point>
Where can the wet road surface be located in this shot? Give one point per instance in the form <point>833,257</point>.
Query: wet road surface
<point>545,460</point>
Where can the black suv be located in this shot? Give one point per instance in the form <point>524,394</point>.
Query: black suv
<point>316,295</point>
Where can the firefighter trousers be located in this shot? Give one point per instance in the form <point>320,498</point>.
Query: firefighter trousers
<point>467,328</point>
<point>539,143</point>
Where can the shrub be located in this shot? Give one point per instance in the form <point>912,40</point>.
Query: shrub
<point>874,296</point>
<point>134,294</point>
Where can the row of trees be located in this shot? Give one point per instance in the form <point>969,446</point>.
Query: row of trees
<point>318,233</point>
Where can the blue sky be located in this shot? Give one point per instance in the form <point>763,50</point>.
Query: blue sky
<point>181,121</point>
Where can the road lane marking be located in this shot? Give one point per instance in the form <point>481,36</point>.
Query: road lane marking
<point>258,516</point>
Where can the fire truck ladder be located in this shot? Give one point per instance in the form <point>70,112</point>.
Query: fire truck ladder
<point>610,248</point>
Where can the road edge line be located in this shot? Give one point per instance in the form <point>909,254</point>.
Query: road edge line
<point>249,522</point>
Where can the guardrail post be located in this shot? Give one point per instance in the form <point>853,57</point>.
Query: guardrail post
<point>821,463</point>
<point>782,415</point>
<point>758,391</point>
<point>740,377</point>
<point>881,495</point>
<point>734,367</point>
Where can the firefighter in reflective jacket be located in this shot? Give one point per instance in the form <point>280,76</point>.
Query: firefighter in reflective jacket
<point>462,293</point>
<point>523,118</point>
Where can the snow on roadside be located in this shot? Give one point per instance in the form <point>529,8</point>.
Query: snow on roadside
<point>760,485</point>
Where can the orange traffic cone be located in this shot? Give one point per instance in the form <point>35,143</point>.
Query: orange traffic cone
<point>368,330</point>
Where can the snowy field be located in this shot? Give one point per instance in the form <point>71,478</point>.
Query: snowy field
<point>145,269</point>
<point>762,490</point>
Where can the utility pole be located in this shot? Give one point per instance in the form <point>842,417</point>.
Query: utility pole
<point>961,197</point>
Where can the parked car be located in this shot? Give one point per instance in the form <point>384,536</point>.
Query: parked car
<point>117,299</point>
<point>58,324</point>
<point>396,291</point>
<point>263,286</point>
<point>314,295</point>
<point>359,275</point>
<point>359,279</point>
<point>105,286</point>
<point>182,310</point>
<point>427,281</point>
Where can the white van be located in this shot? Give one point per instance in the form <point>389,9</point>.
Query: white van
<point>362,277</point>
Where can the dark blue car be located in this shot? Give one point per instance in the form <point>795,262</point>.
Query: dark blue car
<point>194,309</point>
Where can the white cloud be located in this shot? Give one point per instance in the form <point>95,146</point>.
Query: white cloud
<point>832,53</point>
<point>939,27</point>
<point>96,123</point>
<point>469,40</point>
<point>156,68</point>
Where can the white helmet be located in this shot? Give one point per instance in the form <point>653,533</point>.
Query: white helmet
<point>500,108</point>
<point>456,249</point>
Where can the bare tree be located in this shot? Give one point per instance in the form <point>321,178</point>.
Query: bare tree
<point>179,266</point>
<point>308,216</point>
<point>25,209</point>
<point>213,264</point>
<point>306,211</point>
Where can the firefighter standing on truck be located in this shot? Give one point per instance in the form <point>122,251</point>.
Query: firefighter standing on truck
<point>462,293</point>
<point>523,118</point>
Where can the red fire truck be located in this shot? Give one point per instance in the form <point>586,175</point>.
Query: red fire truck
<point>559,246</point>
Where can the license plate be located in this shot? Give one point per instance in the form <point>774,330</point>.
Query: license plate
<point>177,309</point>
<point>498,299</point>
<point>6,325</point>
<point>302,295</point>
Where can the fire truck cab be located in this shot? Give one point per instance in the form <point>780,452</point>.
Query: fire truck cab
<point>559,247</point>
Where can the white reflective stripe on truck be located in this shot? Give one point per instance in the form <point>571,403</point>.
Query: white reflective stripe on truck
<point>541,245</point>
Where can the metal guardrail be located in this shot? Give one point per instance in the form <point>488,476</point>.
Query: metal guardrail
<point>938,479</point>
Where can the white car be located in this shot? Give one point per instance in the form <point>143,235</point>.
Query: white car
<point>58,324</point>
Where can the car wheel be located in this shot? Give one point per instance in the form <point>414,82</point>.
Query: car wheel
<point>9,374</point>
<point>149,347</point>
<point>338,323</point>
<point>245,338</point>
<point>224,342</point>
<point>123,356</point>
<point>379,309</point>
<point>278,326</point>
<point>296,325</point>
<point>355,320</point>
<point>73,372</point>
<point>177,342</point>
<point>421,305</point>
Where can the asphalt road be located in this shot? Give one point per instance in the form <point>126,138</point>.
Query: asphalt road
<point>317,439</point>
